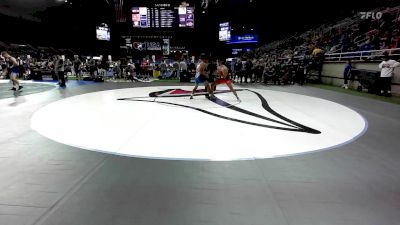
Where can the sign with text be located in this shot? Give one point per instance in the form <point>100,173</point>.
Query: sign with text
<point>240,39</point>
<point>147,45</point>
<point>163,16</point>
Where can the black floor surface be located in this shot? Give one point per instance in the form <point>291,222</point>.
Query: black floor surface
<point>47,183</point>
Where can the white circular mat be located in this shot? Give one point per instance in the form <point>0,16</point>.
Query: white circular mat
<point>169,125</point>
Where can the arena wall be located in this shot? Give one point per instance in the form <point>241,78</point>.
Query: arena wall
<point>332,73</point>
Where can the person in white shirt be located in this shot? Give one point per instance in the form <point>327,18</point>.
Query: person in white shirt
<point>387,67</point>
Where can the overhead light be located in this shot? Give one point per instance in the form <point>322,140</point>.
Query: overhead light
<point>204,4</point>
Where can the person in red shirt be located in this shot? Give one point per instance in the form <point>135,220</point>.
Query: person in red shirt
<point>145,68</point>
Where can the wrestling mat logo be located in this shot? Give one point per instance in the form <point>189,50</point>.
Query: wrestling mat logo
<point>283,124</point>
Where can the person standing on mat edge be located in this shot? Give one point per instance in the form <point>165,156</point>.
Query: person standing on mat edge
<point>14,68</point>
<point>59,69</point>
<point>223,78</point>
<point>385,80</point>
<point>347,74</point>
<point>77,67</point>
<point>202,76</point>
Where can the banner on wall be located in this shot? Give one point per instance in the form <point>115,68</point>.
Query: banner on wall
<point>240,39</point>
<point>166,47</point>
<point>147,45</point>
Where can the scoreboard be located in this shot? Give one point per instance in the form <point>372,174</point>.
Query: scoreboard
<point>224,32</point>
<point>103,33</point>
<point>163,16</point>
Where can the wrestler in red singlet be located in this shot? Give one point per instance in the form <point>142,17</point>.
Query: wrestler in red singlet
<point>223,74</point>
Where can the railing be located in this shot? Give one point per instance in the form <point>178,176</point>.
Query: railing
<point>338,48</point>
<point>361,55</point>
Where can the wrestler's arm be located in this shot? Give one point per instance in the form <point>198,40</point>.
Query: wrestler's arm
<point>14,61</point>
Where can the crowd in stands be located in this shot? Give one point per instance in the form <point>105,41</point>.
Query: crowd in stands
<point>352,34</point>
<point>33,65</point>
<point>306,52</point>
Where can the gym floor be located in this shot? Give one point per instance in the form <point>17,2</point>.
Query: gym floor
<point>48,181</point>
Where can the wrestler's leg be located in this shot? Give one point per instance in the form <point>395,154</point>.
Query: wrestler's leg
<point>229,84</point>
<point>194,89</point>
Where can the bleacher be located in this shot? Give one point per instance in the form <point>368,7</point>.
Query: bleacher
<point>361,40</point>
<point>348,35</point>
